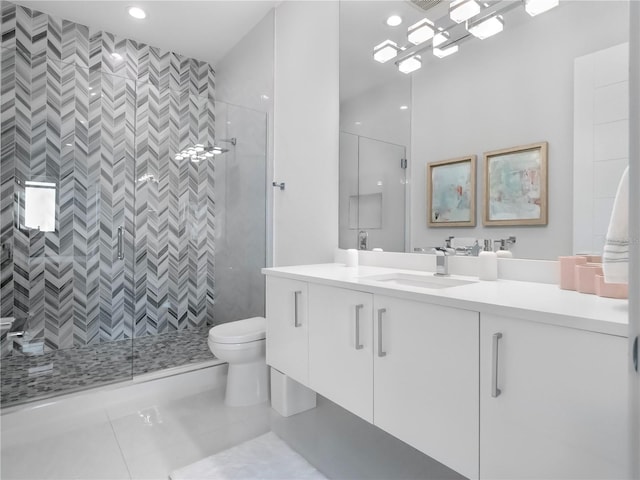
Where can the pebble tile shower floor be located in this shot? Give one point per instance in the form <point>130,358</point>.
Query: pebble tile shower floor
<point>26,378</point>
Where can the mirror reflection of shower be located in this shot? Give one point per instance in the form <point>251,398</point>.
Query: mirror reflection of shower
<point>199,151</point>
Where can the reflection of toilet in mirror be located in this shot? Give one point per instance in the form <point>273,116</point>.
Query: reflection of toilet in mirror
<point>242,345</point>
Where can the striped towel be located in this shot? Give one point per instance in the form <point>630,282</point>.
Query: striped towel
<point>616,248</point>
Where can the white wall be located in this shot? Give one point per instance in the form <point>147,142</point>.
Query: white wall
<point>376,112</point>
<point>512,89</point>
<point>601,142</point>
<point>306,113</point>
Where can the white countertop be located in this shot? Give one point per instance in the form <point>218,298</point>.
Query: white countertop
<point>537,302</point>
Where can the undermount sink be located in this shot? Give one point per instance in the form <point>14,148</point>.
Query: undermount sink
<point>420,281</point>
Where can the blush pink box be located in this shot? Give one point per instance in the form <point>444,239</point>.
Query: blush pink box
<point>567,270</point>
<point>611,290</point>
<point>585,277</point>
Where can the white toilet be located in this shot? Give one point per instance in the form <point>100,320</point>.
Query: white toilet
<point>242,345</point>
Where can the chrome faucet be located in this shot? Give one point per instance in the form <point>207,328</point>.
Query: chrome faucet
<point>362,239</point>
<point>442,262</point>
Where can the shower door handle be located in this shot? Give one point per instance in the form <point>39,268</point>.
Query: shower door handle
<point>120,246</point>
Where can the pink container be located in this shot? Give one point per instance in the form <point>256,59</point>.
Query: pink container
<point>611,290</point>
<point>585,277</point>
<point>590,258</point>
<point>567,270</point>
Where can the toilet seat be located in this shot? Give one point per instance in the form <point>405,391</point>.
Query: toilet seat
<point>240,331</point>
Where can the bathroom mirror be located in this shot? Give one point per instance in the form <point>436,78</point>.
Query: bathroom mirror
<point>514,88</point>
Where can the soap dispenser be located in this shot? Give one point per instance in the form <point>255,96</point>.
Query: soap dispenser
<point>487,263</point>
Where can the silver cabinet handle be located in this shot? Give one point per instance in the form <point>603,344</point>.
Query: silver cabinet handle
<point>381,311</point>
<point>495,391</point>
<point>296,323</point>
<point>359,346</point>
<point>120,247</point>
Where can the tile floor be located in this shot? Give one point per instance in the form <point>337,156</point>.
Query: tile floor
<point>147,430</point>
<point>144,441</point>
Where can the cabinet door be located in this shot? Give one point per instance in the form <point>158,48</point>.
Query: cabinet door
<point>561,408</point>
<point>340,347</point>
<point>287,327</point>
<point>426,379</point>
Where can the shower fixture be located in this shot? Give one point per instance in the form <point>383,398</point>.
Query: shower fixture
<point>232,140</point>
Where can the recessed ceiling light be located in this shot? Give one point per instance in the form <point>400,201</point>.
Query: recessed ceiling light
<point>404,107</point>
<point>137,12</point>
<point>394,20</point>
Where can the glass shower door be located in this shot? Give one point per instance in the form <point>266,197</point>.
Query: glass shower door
<point>240,213</point>
<point>71,160</point>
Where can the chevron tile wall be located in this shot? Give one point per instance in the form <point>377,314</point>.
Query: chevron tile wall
<point>101,117</point>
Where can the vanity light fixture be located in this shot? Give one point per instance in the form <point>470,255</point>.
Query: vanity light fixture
<point>443,37</point>
<point>385,51</point>
<point>137,12</point>
<point>486,27</point>
<point>394,20</point>
<point>536,7</point>
<point>445,52</point>
<point>440,38</point>
<point>462,10</point>
<point>421,32</point>
<point>410,64</point>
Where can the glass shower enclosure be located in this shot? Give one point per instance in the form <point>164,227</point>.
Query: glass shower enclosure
<point>118,254</point>
<point>372,193</point>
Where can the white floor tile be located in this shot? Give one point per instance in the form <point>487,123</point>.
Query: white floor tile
<point>83,453</point>
<point>160,462</point>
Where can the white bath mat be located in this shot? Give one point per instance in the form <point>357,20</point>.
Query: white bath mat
<point>264,457</point>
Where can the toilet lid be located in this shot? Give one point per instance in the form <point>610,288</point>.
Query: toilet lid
<point>240,331</point>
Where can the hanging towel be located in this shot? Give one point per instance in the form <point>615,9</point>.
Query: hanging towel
<point>616,248</point>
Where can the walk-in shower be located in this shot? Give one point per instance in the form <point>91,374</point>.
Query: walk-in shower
<point>111,243</point>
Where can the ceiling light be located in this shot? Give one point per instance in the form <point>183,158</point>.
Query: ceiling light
<point>440,38</point>
<point>420,32</point>
<point>403,107</point>
<point>445,52</point>
<point>385,51</point>
<point>536,7</point>
<point>486,27</point>
<point>462,10</point>
<point>394,20</point>
<point>410,64</point>
<point>137,12</point>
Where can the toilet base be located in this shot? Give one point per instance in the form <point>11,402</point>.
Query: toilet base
<point>247,384</point>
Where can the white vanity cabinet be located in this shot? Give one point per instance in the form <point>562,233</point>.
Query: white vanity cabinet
<point>426,379</point>
<point>341,346</point>
<point>287,339</point>
<point>553,402</point>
